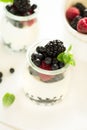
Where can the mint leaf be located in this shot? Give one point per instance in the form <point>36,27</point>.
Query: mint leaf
<point>70,48</point>
<point>5,1</point>
<point>8,99</point>
<point>66,57</point>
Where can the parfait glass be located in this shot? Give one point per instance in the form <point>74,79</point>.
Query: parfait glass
<point>19,32</point>
<point>46,86</point>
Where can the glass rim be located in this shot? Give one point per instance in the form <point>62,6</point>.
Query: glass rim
<point>48,72</point>
<point>19,18</point>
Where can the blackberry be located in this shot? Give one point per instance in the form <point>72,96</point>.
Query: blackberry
<point>22,5</point>
<point>85,13</point>
<point>53,48</point>
<point>81,7</point>
<point>74,22</point>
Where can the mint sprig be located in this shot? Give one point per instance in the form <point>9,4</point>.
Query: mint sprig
<point>6,1</point>
<point>66,57</point>
<point>8,99</point>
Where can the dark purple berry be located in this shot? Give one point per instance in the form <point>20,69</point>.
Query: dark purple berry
<point>40,49</point>
<point>54,61</point>
<point>34,6</point>
<point>1,74</point>
<point>85,13</point>
<point>37,62</point>
<point>81,7</point>
<point>8,7</point>
<point>11,70</point>
<point>22,5</point>
<point>74,22</point>
<point>61,64</point>
<point>55,66</point>
<point>0,80</point>
<point>40,56</point>
<point>48,60</point>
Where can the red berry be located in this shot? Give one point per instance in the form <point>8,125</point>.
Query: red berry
<point>82,25</point>
<point>72,12</point>
<point>29,23</point>
<point>45,77</point>
<point>45,66</point>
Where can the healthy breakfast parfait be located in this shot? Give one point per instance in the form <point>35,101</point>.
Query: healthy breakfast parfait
<point>19,27</point>
<point>49,71</point>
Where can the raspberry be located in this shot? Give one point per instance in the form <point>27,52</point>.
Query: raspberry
<point>72,12</point>
<point>45,66</point>
<point>31,22</point>
<point>82,25</point>
<point>45,77</point>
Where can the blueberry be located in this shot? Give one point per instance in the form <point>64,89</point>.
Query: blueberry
<point>48,60</point>
<point>0,80</point>
<point>1,74</point>
<point>54,61</point>
<point>11,70</point>
<point>34,6</point>
<point>55,66</point>
<point>81,7</point>
<point>37,62</point>
<point>85,13</point>
<point>40,49</point>
<point>61,64</point>
<point>74,22</point>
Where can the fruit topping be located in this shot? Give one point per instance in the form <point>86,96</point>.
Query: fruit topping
<point>82,25</point>
<point>72,12</point>
<point>21,7</point>
<point>77,17</point>
<point>51,57</point>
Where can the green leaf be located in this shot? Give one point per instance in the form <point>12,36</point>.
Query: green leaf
<point>6,1</point>
<point>8,99</point>
<point>70,48</point>
<point>66,57</point>
<point>60,57</point>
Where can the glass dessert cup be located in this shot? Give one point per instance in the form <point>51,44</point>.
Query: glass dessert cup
<point>18,32</point>
<point>79,40</point>
<point>46,87</point>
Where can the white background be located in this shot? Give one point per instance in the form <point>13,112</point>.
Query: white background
<point>71,114</point>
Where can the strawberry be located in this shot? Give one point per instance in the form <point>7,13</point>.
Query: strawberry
<point>71,13</point>
<point>45,77</point>
<point>82,25</point>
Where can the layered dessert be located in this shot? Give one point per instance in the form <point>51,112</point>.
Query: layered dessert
<point>49,71</point>
<point>19,26</point>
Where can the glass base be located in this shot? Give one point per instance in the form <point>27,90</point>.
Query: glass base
<point>46,101</point>
<point>24,49</point>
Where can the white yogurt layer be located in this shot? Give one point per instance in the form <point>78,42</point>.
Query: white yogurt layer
<point>37,88</point>
<point>18,37</point>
